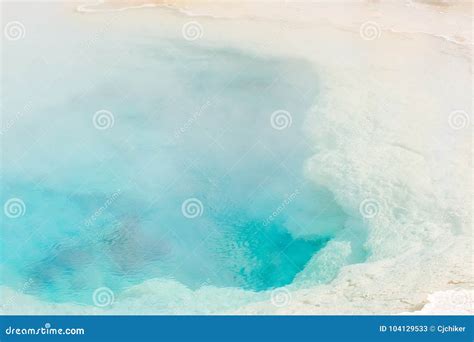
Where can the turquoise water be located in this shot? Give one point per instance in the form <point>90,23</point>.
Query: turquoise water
<point>104,207</point>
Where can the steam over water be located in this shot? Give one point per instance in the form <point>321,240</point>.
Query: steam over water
<point>143,157</point>
<point>281,161</point>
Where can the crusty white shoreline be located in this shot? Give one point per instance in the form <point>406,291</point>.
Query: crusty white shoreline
<point>428,257</point>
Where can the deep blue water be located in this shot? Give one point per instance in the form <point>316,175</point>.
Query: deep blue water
<point>104,207</point>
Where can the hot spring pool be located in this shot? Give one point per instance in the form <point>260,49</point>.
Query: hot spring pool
<point>145,157</point>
